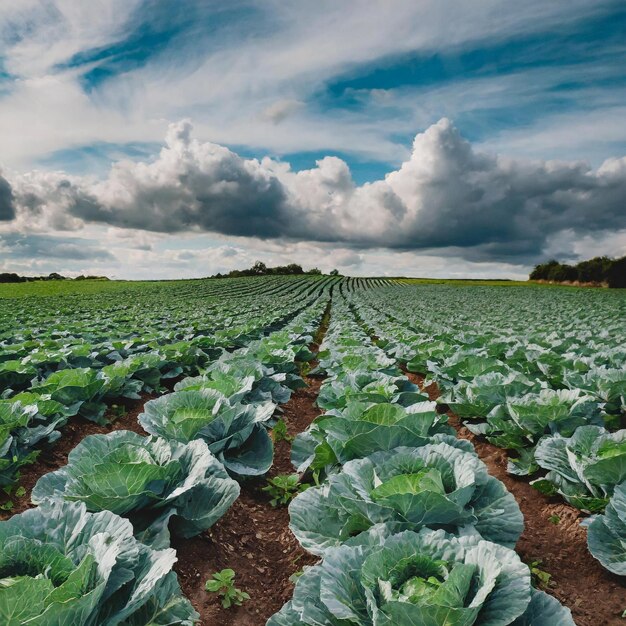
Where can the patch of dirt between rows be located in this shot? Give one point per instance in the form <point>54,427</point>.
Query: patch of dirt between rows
<point>252,538</point>
<point>55,456</point>
<point>595,596</point>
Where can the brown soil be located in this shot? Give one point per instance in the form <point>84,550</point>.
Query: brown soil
<point>252,538</point>
<point>595,596</point>
<point>55,456</point>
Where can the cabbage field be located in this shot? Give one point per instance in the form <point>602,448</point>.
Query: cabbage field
<point>312,450</point>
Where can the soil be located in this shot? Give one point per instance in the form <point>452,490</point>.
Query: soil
<point>252,538</point>
<point>595,596</point>
<point>55,456</point>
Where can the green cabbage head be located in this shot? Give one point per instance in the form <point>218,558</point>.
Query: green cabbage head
<point>606,535</point>
<point>436,485</point>
<point>155,483</point>
<point>583,468</point>
<point>63,566</point>
<point>235,433</point>
<point>429,578</point>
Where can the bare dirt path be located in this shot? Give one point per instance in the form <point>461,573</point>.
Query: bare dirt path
<point>553,535</point>
<point>252,538</point>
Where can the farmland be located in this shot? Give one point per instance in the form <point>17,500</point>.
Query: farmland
<point>356,451</point>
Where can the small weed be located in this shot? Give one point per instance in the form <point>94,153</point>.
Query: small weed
<point>280,432</point>
<point>296,576</point>
<point>554,519</point>
<point>118,411</point>
<point>7,506</point>
<point>223,583</point>
<point>283,488</point>
<point>539,577</point>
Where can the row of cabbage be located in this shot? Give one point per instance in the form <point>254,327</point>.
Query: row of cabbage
<point>50,385</point>
<point>411,528</point>
<point>554,395</point>
<point>96,551</point>
<point>86,336</point>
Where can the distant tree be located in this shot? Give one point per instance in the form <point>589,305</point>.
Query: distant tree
<point>543,270</point>
<point>55,276</point>
<point>314,270</point>
<point>259,268</point>
<point>334,272</point>
<point>561,273</point>
<point>9,277</point>
<point>294,268</point>
<point>616,275</point>
<point>594,270</point>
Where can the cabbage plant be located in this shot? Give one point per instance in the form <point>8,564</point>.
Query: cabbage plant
<point>427,578</point>
<point>61,565</point>
<point>583,468</point>
<point>477,397</point>
<point>368,386</point>
<point>235,433</point>
<point>360,429</point>
<point>437,485</point>
<point>606,534</point>
<point>81,388</point>
<point>155,483</point>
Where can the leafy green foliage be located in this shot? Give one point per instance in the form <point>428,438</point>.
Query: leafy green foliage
<point>539,578</point>
<point>283,488</point>
<point>223,584</point>
<point>157,484</point>
<point>280,433</point>
<point>437,485</point>
<point>63,565</point>
<point>385,579</point>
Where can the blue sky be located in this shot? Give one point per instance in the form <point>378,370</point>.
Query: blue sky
<point>87,85</point>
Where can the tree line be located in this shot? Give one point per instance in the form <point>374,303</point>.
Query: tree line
<point>260,269</point>
<point>12,277</point>
<point>599,270</point>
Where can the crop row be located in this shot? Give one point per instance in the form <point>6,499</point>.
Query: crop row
<point>95,551</point>
<point>550,391</point>
<point>44,381</point>
<point>411,528</point>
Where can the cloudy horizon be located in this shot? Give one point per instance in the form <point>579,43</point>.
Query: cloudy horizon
<point>143,140</point>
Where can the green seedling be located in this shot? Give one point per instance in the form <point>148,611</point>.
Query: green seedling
<point>539,577</point>
<point>280,432</point>
<point>223,584</point>
<point>283,488</point>
<point>554,519</point>
<point>296,576</point>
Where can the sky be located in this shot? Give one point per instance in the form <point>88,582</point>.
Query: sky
<point>156,139</point>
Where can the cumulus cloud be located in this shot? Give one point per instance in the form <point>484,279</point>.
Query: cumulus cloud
<point>447,196</point>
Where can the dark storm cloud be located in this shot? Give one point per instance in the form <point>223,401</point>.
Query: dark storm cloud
<point>7,207</point>
<point>446,196</point>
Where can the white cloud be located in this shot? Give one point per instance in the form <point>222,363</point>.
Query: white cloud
<point>447,196</point>
<point>238,82</point>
